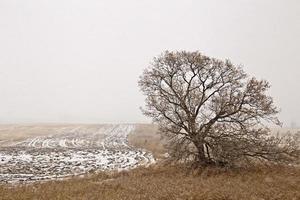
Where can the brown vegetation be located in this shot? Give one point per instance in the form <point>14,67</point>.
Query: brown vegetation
<point>166,182</point>
<point>145,136</point>
<point>11,133</point>
<point>172,182</point>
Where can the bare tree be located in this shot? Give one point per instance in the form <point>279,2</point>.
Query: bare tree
<point>211,111</point>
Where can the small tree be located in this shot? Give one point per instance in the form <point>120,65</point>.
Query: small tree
<point>211,111</point>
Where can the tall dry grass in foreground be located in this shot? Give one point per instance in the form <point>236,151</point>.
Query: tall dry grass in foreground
<point>169,182</point>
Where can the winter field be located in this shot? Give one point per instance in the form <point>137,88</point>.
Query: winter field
<point>50,152</point>
<point>36,154</point>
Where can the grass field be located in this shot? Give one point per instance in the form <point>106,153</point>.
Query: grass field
<point>169,182</point>
<point>145,136</point>
<point>160,181</point>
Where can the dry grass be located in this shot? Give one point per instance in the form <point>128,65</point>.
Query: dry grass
<point>11,133</point>
<point>18,132</point>
<point>169,182</point>
<point>145,136</point>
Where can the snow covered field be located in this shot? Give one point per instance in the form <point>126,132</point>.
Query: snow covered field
<point>69,151</point>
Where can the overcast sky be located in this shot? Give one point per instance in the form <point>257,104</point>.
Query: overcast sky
<point>79,61</point>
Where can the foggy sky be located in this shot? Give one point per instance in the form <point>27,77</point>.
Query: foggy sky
<point>79,61</point>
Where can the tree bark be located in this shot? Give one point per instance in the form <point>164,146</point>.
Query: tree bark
<point>201,158</point>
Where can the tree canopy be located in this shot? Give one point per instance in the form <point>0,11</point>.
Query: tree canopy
<point>211,111</point>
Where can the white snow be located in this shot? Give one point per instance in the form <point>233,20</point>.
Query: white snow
<point>72,152</point>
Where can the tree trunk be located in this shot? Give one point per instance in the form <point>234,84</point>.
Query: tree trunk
<point>201,158</point>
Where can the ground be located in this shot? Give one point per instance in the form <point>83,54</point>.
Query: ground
<point>141,181</point>
<point>169,183</point>
<point>56,152</point>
